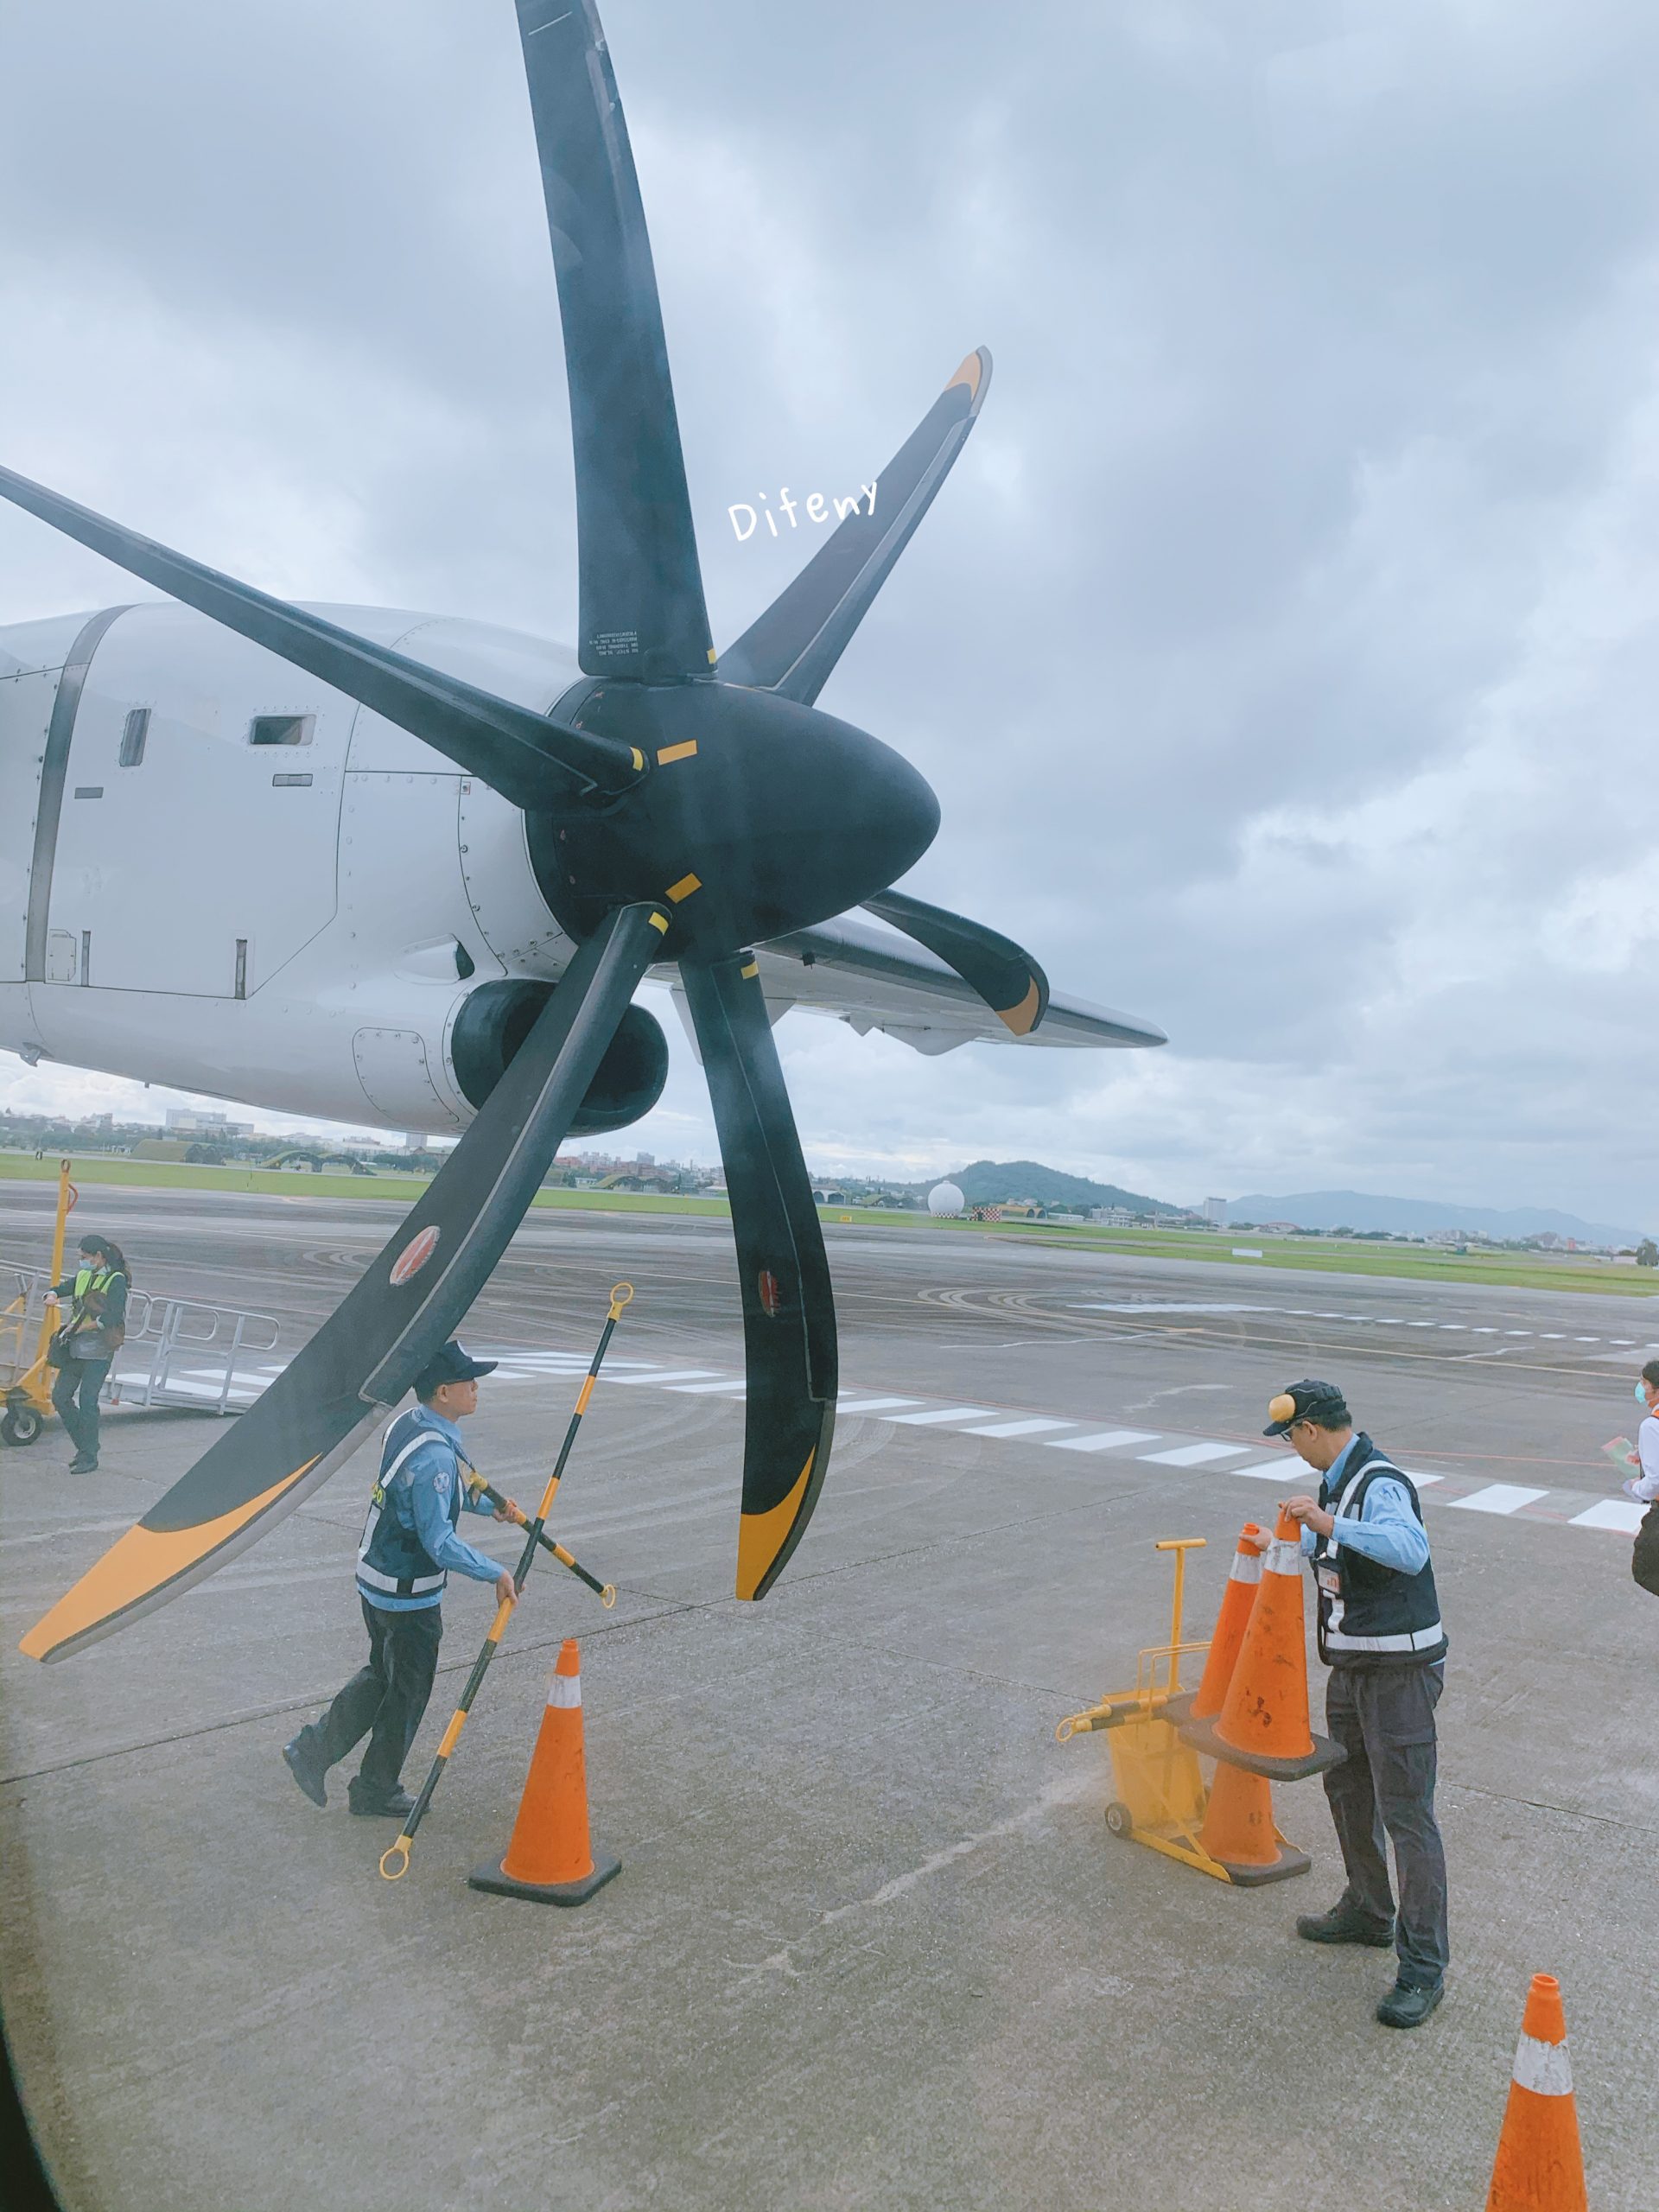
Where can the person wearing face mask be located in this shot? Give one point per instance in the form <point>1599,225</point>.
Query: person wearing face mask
<point>1644,1484</point>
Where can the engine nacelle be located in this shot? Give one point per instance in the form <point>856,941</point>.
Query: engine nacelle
<point>494,1021</point>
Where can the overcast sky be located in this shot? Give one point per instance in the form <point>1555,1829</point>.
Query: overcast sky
<point>1282,648</point>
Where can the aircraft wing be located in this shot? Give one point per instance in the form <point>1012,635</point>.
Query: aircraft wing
<point>873,979</point>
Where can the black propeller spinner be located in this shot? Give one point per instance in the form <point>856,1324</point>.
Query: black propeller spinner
<point>675,812</point>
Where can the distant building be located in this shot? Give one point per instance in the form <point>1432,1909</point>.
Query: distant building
<point>204,1121</point>
<point>1112,1217</point>
<point>1215,1212</point>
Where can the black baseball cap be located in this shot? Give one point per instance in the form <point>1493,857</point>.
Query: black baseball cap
<point>453,1363</point>
<point>1307,1400</point>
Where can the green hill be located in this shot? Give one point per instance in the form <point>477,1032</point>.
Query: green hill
<point>993,1182</point>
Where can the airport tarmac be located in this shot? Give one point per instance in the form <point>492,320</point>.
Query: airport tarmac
<point>871,1945</point>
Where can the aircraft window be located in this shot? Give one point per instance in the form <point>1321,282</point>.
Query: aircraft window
<point>89,790</point>
<point>134,732</point>
<point>281,730</point>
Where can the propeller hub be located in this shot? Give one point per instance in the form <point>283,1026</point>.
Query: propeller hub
<point>756,816</point>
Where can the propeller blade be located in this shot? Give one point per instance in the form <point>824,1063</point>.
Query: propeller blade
<point>511,748</point>
<point>387,1328</point>
<point>642,607</point>
<point>1006,977</point>
<point>789,1314</point>
<point>794,646</point>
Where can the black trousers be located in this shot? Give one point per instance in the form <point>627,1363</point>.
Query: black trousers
<point>1383,1717</point>
<point>385,1699</point>
<point>74,1393</point>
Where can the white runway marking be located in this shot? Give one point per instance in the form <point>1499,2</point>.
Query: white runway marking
<point>666,1376</point>
<point>1104,1439</point>
<point>1164,1305</point>
<point>1497,1498</point>
<point>1613,1516</point>
<point>1019,1428</point>
<point>945,1413</point>
<point>1194,1455</point>
<point>1618,1513</point>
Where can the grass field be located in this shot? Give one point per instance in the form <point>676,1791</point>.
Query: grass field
<point>1315,1255</point>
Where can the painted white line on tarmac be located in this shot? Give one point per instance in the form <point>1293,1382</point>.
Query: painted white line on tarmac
<point>1617,1513</point>
<point>1193,1455</point>
<point>945,1412</point>
<point>667,1376</point>
<point>854,1404</point>
<point>1103,1440</point>
<point>1266,1471</point>
<point>727,1387</point>
<point>1164,1306</point>
<point>1019,1428</point>
<point>1497,1498</point>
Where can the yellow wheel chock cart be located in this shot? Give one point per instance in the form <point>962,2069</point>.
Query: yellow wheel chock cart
<point>1160,1797</point>
<point>26,1329</point>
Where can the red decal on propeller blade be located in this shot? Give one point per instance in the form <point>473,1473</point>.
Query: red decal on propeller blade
<point>415,1254</point>
<point>771,1298</point>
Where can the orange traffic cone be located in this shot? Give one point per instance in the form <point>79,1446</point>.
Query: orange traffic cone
<point>1263,1723</point>
<point>1237,1600</point>
<point>1239,1832</point>
<point>1540,2165</point>
<point>551,1858</point>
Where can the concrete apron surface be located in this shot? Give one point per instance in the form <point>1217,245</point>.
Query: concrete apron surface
<point>871,1945</point>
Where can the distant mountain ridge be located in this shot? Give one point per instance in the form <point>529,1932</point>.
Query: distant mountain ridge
<point>1419,1216</point>
<point>991,1182</point>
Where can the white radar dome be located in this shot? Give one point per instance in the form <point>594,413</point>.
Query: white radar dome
<point>944,1199</point>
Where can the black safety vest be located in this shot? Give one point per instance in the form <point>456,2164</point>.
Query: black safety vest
<point>1371,1614</point>
<point>391,1560</point>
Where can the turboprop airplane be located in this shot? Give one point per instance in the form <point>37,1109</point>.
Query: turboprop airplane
<point>395,867</point>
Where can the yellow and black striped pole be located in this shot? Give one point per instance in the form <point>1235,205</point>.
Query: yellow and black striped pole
<point>394,1860</point>
<point>605,1591</point>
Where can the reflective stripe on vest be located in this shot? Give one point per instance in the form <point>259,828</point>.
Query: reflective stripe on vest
<point>419,1585</point>
<point>1332,1636</point>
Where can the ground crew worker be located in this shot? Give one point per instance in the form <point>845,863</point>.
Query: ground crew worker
<point>410,1544</point>
<point>1644,1484</point>
<point>1380,1634</point>
<point>88,1340</point>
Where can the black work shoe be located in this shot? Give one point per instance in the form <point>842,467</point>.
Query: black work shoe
<point>1408,2004</point>
<point>81,1466</point>
<point>393,1808</point>
<point>1341,1926</point>
<point>305,1770</point>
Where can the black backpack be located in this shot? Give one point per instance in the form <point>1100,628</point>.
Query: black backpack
<point>1644,1552</point>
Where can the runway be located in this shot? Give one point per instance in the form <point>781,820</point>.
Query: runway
<point>871,1945</point>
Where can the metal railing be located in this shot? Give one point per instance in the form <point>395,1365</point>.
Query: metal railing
<point>163,1335</point>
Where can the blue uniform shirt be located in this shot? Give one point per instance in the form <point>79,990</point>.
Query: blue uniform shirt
<point>1385,1529</point>
<point>417,1497</point>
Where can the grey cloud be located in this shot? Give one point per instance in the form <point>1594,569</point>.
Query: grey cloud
<point>1280,648</point>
